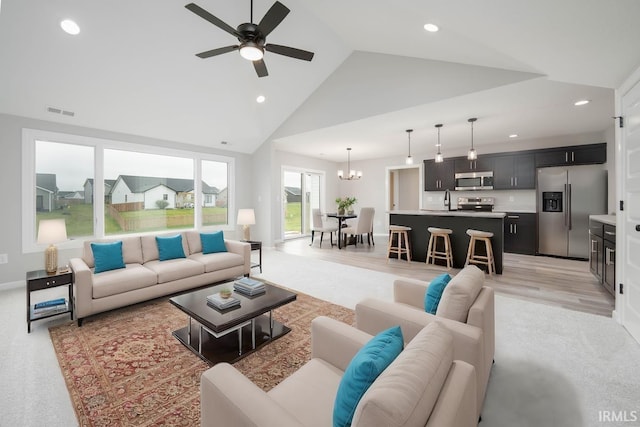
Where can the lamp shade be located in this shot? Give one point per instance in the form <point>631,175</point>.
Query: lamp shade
<point>51,231</point>
<point>246,217</point>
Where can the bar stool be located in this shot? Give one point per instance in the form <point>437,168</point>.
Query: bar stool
<point>400,232</point>
<point>487,259</point>
<point>432,251</point>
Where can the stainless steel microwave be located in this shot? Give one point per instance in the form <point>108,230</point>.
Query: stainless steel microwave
<point>474,181</point>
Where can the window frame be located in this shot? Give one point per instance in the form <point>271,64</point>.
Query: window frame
<point>29,138</point>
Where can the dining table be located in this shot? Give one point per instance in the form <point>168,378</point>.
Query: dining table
<point>341,218</point>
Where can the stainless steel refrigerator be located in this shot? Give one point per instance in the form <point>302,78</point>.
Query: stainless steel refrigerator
<point>566,198</point>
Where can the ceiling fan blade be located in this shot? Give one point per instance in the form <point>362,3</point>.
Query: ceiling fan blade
<point>289,51</point>
<point>209,17</point>
<point>261,68</point>
<point>272,18</point>
<point>219,51</point>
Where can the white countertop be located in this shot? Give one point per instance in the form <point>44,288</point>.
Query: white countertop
<point>450,213</point>
<point>605,219</point>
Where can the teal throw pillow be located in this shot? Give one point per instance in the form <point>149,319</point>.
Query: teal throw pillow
<point>362,371</point>
<point>107,256</point>
<point>212,242</point>
<point>434,293</point>
<point>170,247</point>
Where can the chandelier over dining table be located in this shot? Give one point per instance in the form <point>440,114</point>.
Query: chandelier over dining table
<point>351,173</point>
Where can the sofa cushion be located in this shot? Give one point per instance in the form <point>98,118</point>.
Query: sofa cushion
<point>133,276</point>
<point>131,250</point>
<point>218,261</point>
<point>310,392</point>
<point>460,294</point>
<point>175,269</point>
<point>364,368</point>
<point>434,293</point>
<point>150,247</point>
<point>107,256</point>
<point>193,241</point>
<point>170,247</point>
<point>213,242</point>
<point>407,391</point>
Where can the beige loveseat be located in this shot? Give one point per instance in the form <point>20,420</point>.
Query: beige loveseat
<point>466,309</point>
<point>145,277</point>
<point>423,386</point>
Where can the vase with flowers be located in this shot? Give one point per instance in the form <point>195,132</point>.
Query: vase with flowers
<point>345,205</point>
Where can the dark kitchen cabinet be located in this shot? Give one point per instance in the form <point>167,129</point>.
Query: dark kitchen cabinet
<point>514,172</point>
<point>520,233</point>
<point>575,155</point>
<point>609,258</point>
<point>596,249</point>
<point>439,176</point>
<point>481,164</point>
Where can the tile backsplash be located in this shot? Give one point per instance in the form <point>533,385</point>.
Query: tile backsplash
<point>505,200</point>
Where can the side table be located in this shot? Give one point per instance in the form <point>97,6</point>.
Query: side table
<point>38,280</point>
<point>256,246</point>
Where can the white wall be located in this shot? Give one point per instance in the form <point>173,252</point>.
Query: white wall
<point>11,216</point>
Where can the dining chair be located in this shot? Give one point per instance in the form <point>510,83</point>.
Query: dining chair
<point>363,226</point>
<point>322,227</point>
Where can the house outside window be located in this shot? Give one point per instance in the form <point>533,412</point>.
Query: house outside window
<point>120,196</point>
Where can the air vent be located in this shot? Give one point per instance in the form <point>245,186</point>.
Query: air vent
<point>56,110</point>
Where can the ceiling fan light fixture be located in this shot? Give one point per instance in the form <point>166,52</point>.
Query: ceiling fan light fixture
<point>472,154</point>
<point>251,51</point>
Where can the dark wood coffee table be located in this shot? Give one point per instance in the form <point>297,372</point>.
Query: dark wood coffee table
<point>213,337</point>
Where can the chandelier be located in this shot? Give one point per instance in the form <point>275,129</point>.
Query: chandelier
<point>352,173</point>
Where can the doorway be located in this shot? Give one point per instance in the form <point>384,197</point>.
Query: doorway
<point>302,193</point>
<point>404,187</point>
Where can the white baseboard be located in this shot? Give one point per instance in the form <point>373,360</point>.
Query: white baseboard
<point>12,285</point>
<point>616,317</point>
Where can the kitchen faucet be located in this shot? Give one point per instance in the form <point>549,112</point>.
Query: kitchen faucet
<point>447,199</point>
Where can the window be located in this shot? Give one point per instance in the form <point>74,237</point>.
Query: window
<point>215,182</point>
<point>63,186</point>
<point>107,188</point>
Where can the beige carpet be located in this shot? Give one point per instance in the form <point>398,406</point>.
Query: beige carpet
<point>124,368</point>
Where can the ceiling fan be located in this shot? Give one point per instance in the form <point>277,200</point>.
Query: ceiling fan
<point>252,37</point>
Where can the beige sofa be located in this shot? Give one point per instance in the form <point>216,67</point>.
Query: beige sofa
<point>145,277</point>
<point>423,386</point>
<point>466,309</point>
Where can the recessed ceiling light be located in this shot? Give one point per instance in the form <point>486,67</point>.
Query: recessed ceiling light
<point>260,99</point>
<point>432,28</point>
<point>70,27</point>
<point>581,102</point>
<point>224,142</point>
<point>513,135</point>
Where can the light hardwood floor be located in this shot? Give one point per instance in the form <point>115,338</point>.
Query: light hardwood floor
<point>547,280</point>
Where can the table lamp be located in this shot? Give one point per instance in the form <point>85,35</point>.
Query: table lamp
<point>51,231</point>
<point>246,218</point>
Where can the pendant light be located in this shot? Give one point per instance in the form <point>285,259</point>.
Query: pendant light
<point>472,155</point>
<point>409,159</point>
<point>352,173</point>
<point>439,158</point>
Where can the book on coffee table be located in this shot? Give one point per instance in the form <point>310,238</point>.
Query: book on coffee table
<point>222,303</point>
<point>248,286</point>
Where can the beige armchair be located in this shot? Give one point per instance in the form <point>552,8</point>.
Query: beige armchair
<point>466,309</point>
<point>423,386</point>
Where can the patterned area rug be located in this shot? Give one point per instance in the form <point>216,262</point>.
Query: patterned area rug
<point>124,368</point>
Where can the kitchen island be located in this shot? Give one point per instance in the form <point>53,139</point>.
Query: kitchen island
<point>459,222</point>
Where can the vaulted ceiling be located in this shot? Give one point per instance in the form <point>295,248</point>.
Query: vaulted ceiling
<point>517,65</point>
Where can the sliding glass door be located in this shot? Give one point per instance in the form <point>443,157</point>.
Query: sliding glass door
<point>301,194</point>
